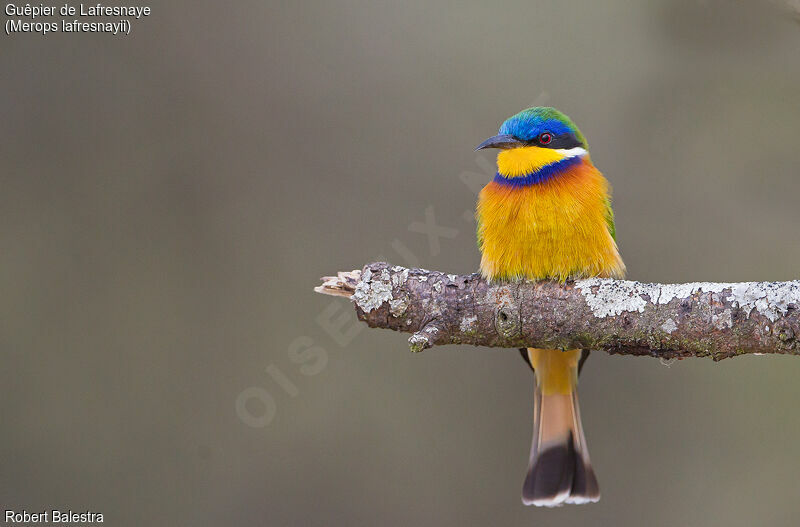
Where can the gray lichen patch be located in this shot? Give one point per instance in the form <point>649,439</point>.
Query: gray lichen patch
<point>418,342</point>
<point>723,320</point>
<point>771,299</point>
<point>422,339</point>
<point>607,297</point>
<point>399,277</point>
<point>371,293</point>
<point>665,293</point>
<point>398,307</point>
<point>469,325</point>
<point>614,297</point>
<point>669,326</point>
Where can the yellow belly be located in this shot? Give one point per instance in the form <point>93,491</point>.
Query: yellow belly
<point>557,229</point>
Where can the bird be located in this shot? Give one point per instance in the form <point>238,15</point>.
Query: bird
<point>546,215</point>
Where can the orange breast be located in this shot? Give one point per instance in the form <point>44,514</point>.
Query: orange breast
<point>556,229</point>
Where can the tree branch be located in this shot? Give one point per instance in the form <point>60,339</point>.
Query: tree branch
<point>661,320</point>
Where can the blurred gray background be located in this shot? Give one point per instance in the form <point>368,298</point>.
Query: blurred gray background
<point>169,199</point>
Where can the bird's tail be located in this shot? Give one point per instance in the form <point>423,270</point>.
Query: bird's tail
<point>559,470</point>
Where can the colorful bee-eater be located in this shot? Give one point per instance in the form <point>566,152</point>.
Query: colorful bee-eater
<point>547,215</point>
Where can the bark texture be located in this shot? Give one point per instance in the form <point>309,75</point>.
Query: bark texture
<point>703,319</point>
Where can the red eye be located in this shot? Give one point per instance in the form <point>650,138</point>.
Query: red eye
<point>545,138</point>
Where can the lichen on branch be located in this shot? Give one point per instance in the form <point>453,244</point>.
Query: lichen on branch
<point>701,319</point>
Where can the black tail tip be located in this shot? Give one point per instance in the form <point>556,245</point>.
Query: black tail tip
<point>559,476</point>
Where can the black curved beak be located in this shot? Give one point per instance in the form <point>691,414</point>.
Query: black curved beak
<point>502,141</point>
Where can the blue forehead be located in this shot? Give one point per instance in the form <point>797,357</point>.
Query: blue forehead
<point>528,124</point>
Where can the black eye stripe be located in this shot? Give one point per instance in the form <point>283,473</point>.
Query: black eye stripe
<point>558,141</point>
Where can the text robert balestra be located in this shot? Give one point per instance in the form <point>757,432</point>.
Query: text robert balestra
<point>52,516</point>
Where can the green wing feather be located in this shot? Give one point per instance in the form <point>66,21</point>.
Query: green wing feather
<point>610,219</point>
<point>478,235</point>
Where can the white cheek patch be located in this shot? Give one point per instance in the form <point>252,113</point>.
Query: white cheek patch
<point>572,152</point>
